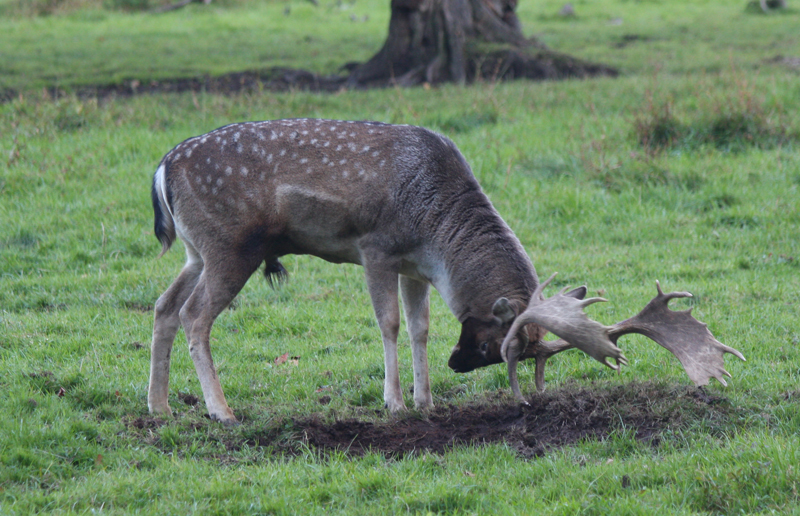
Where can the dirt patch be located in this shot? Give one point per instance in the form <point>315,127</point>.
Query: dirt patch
<point>790,62</point>
<point>272,79</point>
<point>552,420</point>
<point>501,65</point>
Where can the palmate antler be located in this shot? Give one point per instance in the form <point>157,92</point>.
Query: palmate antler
<point>687,338</point>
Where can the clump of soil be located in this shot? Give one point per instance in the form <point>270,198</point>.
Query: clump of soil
<point>553,419</point>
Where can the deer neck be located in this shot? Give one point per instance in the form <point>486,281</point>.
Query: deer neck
<point>482,261</point>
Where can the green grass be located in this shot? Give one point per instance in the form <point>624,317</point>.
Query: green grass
<point>563,164</point>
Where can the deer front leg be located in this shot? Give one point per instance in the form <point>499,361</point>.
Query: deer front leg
<point>382,280</point>
<point>417,309</point>
<point>165,327</point>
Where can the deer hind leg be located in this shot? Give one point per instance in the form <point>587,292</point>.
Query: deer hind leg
<point>218,285</point>
<point>417,309</point>
<point>165,327</point>
<point>382,280</point>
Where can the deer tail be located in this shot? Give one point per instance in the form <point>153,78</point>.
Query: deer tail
<point>164,223</point>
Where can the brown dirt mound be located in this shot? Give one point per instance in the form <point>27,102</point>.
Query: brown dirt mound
<point>552,420</point>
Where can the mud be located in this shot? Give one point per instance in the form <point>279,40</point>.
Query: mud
<point>551,421</point>
<point>554,419</point>
<point>272,79</point>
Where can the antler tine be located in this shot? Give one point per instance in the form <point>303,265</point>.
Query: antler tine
<point>563,316</point>
<point>671,295</point>
<point>684,336</point>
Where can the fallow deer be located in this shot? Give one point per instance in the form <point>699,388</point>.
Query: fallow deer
<point>399,200</point>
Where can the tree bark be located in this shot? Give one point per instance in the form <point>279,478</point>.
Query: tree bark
<point>437,41</point>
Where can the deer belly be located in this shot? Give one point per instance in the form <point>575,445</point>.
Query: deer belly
<point>318,223</point>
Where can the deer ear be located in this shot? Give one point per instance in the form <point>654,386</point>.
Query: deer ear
<point>577,293</point>
<point>502,310</point>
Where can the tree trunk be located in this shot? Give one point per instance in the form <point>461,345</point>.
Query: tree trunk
<point>462,40</point>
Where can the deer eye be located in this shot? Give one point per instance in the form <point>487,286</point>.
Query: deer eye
<point>484,347</point>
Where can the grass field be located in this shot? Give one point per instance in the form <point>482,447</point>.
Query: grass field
<point>686,169</point>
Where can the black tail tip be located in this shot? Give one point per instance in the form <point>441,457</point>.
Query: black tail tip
<point>275,273</point>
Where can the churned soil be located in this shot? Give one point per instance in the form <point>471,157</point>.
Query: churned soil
<point>553,419</point>
<point>557,418</point>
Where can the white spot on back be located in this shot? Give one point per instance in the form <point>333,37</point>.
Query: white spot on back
<point>273,136</point>
<point>375,154</point>
<point>283,152</point>
<point>228,171</point>
<point>342,161</point>
<point>244,171</point>
<point>188,153</point>
<point>365,149</point>
<point>269,158</point>
<point>304,161</point>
